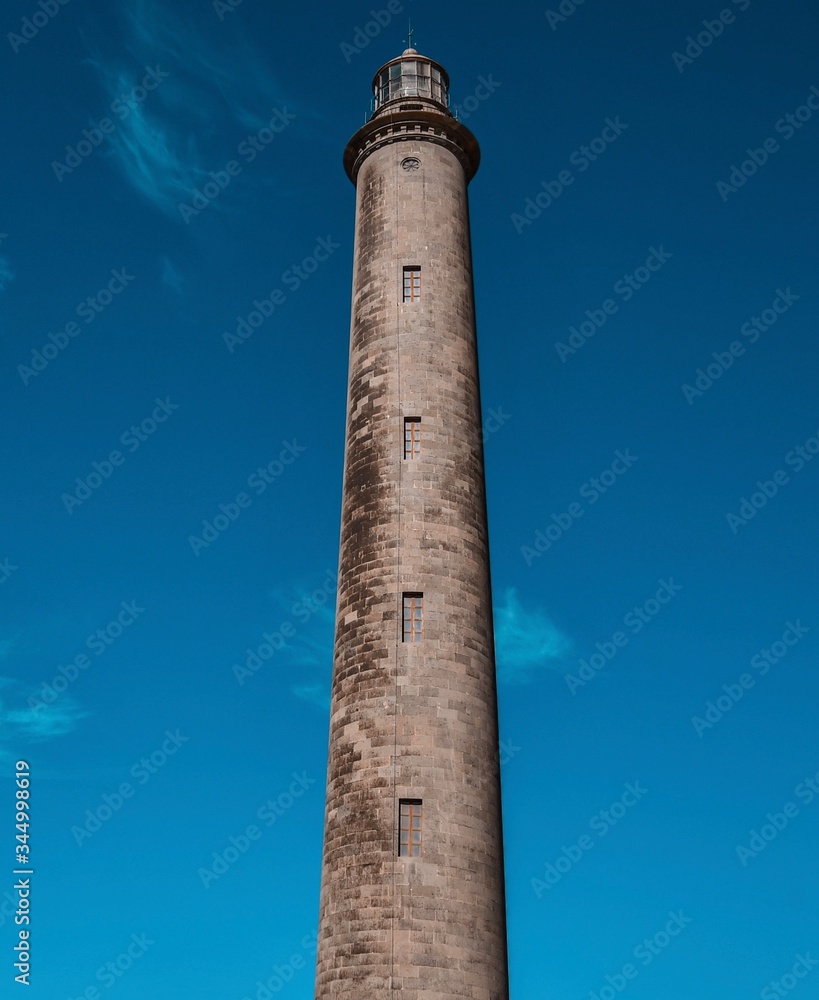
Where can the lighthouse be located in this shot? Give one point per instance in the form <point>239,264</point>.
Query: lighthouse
<point>412,889</point>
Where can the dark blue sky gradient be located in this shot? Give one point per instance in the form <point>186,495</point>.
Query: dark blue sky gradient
<point>212,583</point>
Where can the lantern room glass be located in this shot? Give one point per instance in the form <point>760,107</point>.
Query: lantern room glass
<point>412,77</point>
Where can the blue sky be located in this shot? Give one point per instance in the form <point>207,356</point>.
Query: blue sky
<point>175,268</point>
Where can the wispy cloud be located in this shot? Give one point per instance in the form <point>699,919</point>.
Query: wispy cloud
<point>171,137</point>
<point>6,273</point>
<point>170,276</point>
<point>316,694</point>
<point>310,647</point>
<point>24,719</point>
<point>526,642</point>
<point>308,653</point>
<point>311,653</point>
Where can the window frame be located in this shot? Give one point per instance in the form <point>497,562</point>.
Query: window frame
<point>412,617</point>
<point>411,288</point>
<point>410,821</point>
<point>412,438</point>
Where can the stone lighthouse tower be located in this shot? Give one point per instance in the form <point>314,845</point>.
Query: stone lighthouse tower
<point>412,895</point>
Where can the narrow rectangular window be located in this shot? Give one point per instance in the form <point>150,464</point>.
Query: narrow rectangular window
<point>409,828</point>
<point>413,617</point>
<point>412,284</point>
<point>412,437</point>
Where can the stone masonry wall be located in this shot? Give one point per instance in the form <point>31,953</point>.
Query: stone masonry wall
<point>413,720</point>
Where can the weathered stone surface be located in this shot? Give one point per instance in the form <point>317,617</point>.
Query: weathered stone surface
<point>413,720</point>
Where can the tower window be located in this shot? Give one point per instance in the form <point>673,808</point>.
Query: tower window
<point>413,617</point>
<point>409,828</point>
<point>412,284</point>
<point>412,437</point>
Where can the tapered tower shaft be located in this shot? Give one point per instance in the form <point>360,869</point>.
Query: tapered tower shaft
<point>412,891</point>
